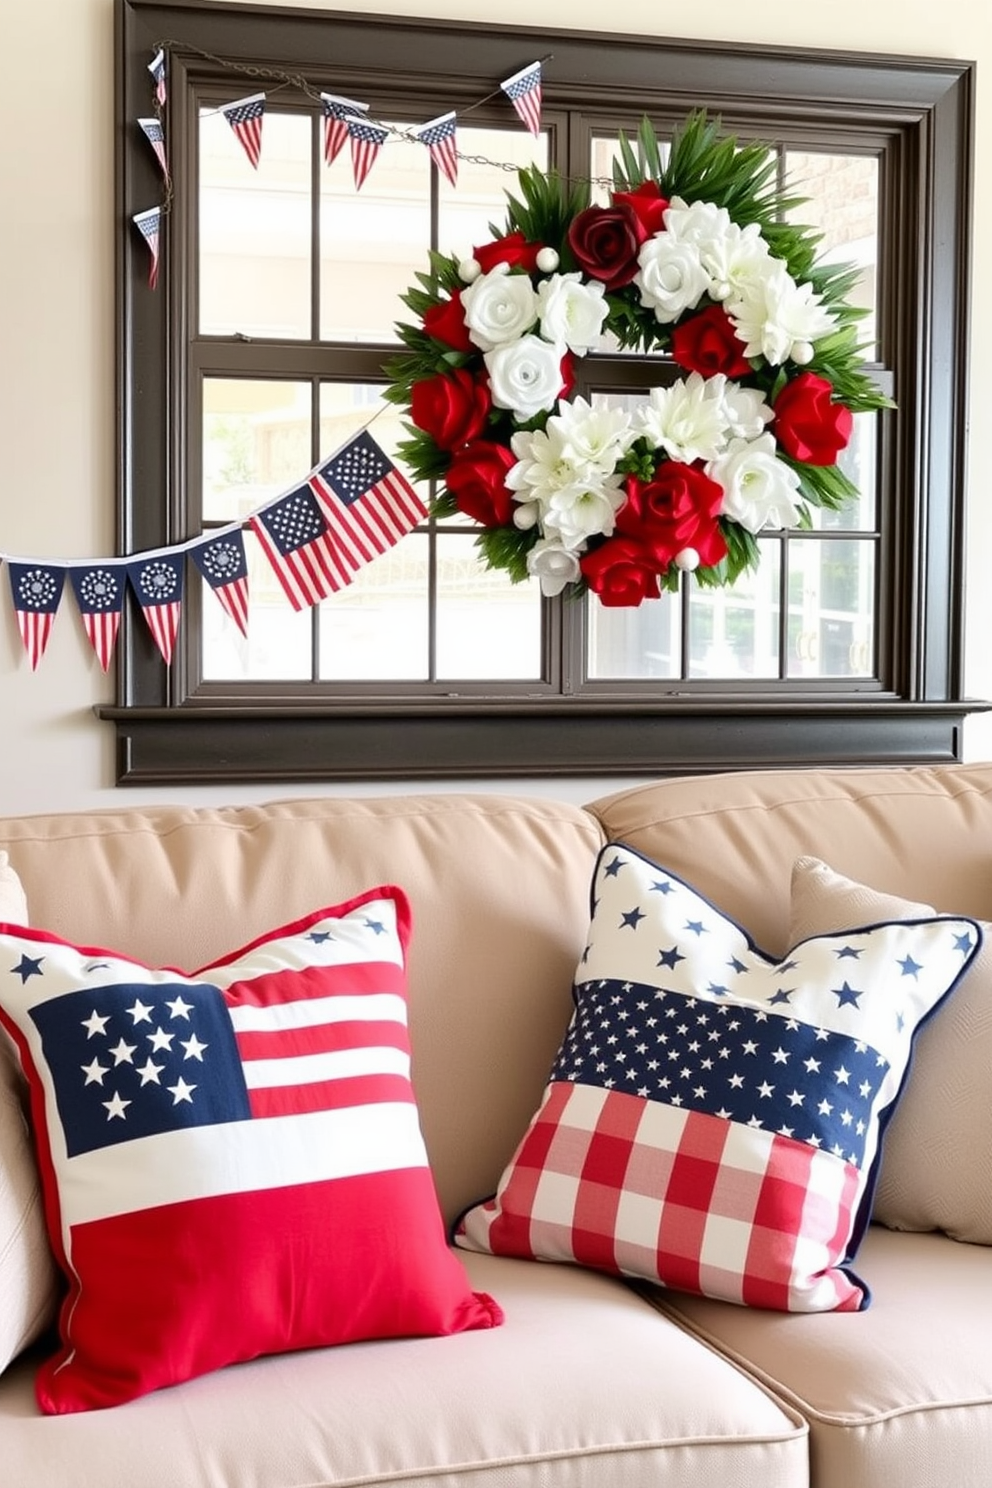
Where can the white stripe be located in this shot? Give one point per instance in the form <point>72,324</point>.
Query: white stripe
<point>239,1157</point>
<point>378,1007</point>
<point>311,1069</point>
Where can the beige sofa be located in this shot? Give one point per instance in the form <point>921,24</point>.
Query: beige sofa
<point>591,1382</point>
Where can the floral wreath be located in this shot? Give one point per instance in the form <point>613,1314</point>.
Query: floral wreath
<point>692,258</point>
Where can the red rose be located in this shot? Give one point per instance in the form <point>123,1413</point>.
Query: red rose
<point>477,479</point>
<point>808,426</point>
<point>514,250</point>
<point>707,343</point>
<point>450,408</point>
<point>648,203</point>
<point>446,322</point>
<point>621,572</point>
<point>606,241</point>
<point>677,509</point>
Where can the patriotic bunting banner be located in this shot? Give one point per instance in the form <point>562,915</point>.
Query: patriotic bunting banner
<point>147,224</point>
<point>157,69</point>
<point>439,137</point>
<point>367,503</point>
<point>155,135</point>
<point>337,112</point>
<point>366,142</point>
<point>36,590</point>
<point>245,118</point>
<point>523,90</point>
<point>157,582</point>
<point>222,562</point>
<point>99,590</point>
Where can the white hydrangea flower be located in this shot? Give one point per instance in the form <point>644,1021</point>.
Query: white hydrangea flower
<point>671,277</point>
<point>597,433</point>
<point>572,312</point>
<point>747,411</point>
<point>525,376</point>
<point>687,420</point>
<point>499,307</point>
<point>777,318</point>
<point>554,565</point>
<point>759,489</point>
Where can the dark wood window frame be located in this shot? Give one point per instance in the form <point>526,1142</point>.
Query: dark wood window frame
<point>916,112</point>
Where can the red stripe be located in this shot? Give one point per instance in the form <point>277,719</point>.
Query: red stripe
<point>325,1038</point>
<point>350,980</point>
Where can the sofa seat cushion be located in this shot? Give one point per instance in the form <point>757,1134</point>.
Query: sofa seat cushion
<point>900,1394</point>
<point>585,1385</point>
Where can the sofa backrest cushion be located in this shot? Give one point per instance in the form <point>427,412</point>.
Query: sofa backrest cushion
<point>499,889</point>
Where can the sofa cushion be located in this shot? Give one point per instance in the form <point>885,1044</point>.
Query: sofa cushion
<point>232,1160</point>
<point>936,1168</point>
<point>28,1279</point>
<point>584,1386</point>
<point>901,1394</point>
<point>712,1120</point>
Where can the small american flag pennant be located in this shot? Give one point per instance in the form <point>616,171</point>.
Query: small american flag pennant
<point>337,112</point>
<point>99,590</point>
<point>155,135</point>
<point>222,562</point>
<point>366,142</point>
<point>439,137</point>
<point>148,224</point>
<point>245,118</point>
<point>523,90</point>
<point>157,69</point>
<point>157,582</point>
<point>36,589</point>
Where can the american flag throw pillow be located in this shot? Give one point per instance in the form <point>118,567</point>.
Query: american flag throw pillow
<point>713,1118</point>
<point>232,1160</point>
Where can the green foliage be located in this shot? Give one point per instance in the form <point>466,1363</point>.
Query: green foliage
<point>506,548</point>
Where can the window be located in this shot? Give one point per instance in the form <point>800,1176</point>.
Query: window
<point>263,347</point>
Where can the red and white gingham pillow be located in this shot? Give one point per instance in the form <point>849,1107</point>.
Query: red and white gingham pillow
<point>713,1118</point>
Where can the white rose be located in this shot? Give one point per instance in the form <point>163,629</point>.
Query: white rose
<point>671,277</point>
<point>525,376</point>
<point>572,312</point>
<point>759,489</point>
<point>554,565</point>
<point>731,255</point>
<point>777,318</point>
<point>696,222</point>
<point>746,410</point>
<point>499,307</point>
<point>687,420</point>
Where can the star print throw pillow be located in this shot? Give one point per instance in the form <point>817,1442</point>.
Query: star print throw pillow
<point>231,1160</point>
<point>713,1118</point>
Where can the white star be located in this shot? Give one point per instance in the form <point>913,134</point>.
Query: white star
<point>749,1047</point>
<point>846,1118</point>
<point>95,1024</point>
<point>181,1091</point>
<point>780,1056</point>
<point>194,1049</point>
<point>122,1052</point>
<point>178,1008</point>
<point>864,1089</point>
<point>161,1040</point>
<point>94,1072</point>
<point>736,1081</point>
<point>824,1108</point>
<point>796,1097</point>
<point>723,1113</point>
<point>842,1076</point>
<point>116,1107</point>
<point>813,1066</point>
<point>786,1131</point>
<point>150,1071</point>
<point>765,1090</point>
<point>140,1012</point>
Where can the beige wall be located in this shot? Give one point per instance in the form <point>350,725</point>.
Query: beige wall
<point>56,331</point>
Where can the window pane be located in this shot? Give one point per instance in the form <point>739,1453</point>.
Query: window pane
<point>372,240</point>
<point>466,211</point>
<point>255,229</point>
<point>630,643</point>
<point>278,644</point>
<point>256,443</point>
<point>735,633</point>
<point>377,628</point>
<point>831,608</point>
<point>486,626</point>
<point>841,194</point>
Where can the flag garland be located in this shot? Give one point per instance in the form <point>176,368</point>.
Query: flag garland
<point>350,509</point>
<point>148,224</point>
<point>523,90</point>
<point>337,112</point>
<point>245,117</point>
<point>439,137</point>
<point>155,135</point>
